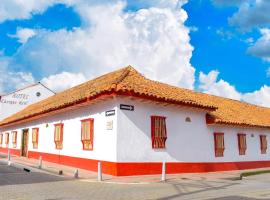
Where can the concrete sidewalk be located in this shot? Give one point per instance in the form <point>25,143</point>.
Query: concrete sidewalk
<point>53,168</point>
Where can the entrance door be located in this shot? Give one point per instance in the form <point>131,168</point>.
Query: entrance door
<point>24,147</point>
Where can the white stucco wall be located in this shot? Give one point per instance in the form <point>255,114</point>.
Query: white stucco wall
<point>130,139</point>
<point>187,141</point>
<point>16,101</point>
<point>104,140</point>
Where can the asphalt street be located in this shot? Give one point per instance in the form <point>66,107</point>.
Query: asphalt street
<point>18,184</point>
<point>13,176</point>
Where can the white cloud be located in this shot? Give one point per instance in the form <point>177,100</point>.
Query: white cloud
<point>268,72</point>
<point>252,13</point>
<point>11,79</point>
<point>229,2</point>
<point>261,48</point>
<point>22,9</point>
<point>225,35</point>
<point>24,34</point>
<point>260,97</point>
<point>210,84</point>
<point>154,40</point>
<point>62,81</point>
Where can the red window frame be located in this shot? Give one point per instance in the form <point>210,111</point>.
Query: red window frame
<point>14,142</point>
<point>158,142</point>
<point>219,152</point>
<point>1,139</point>
<point>242,149</point>
<point>35,143</point>
<point>85,143</point>
<point>6,138</point>
<point>59,144</point>
<point>263,148</point>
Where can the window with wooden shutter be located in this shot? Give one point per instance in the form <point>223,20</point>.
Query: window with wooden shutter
<point>14,138</point>
<point>159,132</point>
<point>7,138</point>
<point>242,144</point>
<point>219,144</point>
<point>58,135</point>
<point>35,137</point>
<point>1,139</point>
<point>87,133</point>
<point>263,141</point>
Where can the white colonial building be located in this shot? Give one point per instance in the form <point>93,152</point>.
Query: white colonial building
<point>133,124</point>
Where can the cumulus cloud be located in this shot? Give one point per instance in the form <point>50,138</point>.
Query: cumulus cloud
<point>24,34</point>
<point>229,2</point>
<point>210,84</point>
<point>154,40</point>
<point>260,97</point>
<point>261,48</point>
<point>62,81</point>
<point>11,79</point>
<point>18,9</point>
<point>252,14</point>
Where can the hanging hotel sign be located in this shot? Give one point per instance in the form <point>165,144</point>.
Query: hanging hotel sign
<point>126,107</point>
<point>110,113</point>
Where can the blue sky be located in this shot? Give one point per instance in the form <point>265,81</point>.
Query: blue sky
<point>219,47</point>
<point>227,53</point>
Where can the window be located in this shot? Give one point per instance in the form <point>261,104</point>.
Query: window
<point>58,136</point>
<point>35,137</point>
<point>87,133</point>
<point>242,144</point>
<point>263,141</point>
<point>219,144</point>
<point>158,132</point>
<point>1,139</point>
<point>7,138</point>
<point>14,138</point>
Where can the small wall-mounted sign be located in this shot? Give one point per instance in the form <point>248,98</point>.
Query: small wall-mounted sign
<point>109,125</point>
<point>126,107</point>
<point>110,113</point>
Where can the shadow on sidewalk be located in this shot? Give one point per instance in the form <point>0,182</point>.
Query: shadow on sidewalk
<point>13,176</point>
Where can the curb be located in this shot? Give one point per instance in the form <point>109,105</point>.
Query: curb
<point>28,168</point>
<point>19,166</point>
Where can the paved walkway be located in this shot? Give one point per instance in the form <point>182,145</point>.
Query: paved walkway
<point>92,176</point>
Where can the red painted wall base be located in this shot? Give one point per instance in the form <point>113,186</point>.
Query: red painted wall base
<point>129,169</point>
<point>16,152</point>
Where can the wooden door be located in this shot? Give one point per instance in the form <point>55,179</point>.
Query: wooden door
<point>24,147</point>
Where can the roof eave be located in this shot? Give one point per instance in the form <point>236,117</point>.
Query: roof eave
<point>111,92</point>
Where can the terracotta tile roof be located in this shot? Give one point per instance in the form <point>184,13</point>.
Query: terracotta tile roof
<point>234,112</point>
<point>128,81</point>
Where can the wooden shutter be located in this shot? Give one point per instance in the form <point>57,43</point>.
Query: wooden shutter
<point>242,144</point>
<point>14,139</point>
<point>219,144</point>
<point>263,142</point>
<point>87,133</point>
<point>1,139</point>
<point>7,138</point>
<point>158,132</point>
<point>35,132</point>
<point>58,135</point>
